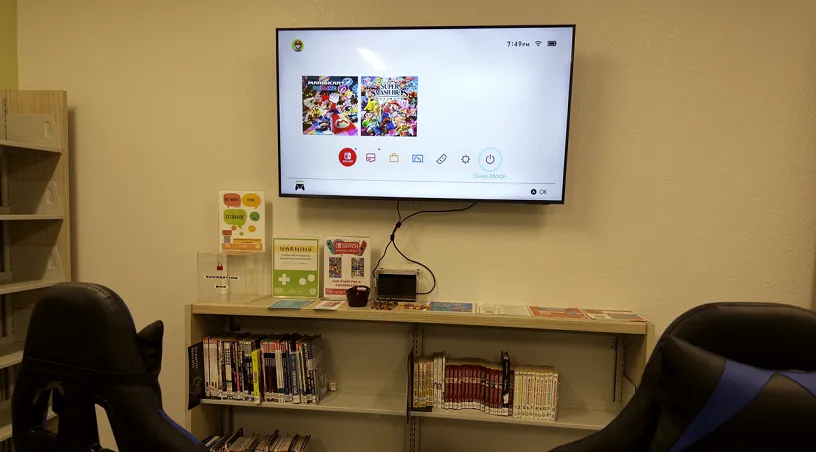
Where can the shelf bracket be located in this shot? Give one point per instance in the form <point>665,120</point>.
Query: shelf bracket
<point>620,365</point>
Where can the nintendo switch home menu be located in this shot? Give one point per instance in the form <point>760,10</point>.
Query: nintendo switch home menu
<point>430,113</point>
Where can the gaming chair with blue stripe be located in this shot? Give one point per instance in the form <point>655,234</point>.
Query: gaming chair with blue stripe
<point>722,377</point>
<point>82,350</point>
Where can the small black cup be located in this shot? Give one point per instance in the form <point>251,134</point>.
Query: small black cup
<point>357,296</point>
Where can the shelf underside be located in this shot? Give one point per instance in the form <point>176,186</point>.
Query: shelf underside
<point>395,405</point>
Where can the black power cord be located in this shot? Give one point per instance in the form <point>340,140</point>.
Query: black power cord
<point>391,241</point>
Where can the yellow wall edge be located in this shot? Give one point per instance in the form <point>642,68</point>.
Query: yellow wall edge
<point>8,44</point>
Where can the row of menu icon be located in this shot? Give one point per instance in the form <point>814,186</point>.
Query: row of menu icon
<point>489,159</point>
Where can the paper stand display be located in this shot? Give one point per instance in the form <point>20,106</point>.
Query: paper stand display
<point>231,277</point>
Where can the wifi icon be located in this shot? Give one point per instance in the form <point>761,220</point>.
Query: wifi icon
<point>538,43</point>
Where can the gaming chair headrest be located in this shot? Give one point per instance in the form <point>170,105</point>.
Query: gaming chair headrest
<point>758,334</point>
<point>71,317</point>
<point>82,350</point>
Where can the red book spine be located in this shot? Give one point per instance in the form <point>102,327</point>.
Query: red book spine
<point>465,386</point>
<point>499,382</point>
<point>458,381</point>
<point>497,394</point>
<point>469,386</point>
<point>482,387</point>
<point>471,398</point>
<point>447,385</point>
<point>473,387</point>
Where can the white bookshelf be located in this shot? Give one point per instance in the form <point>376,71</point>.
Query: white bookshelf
<point>599,363</point>
<point>34,217</point>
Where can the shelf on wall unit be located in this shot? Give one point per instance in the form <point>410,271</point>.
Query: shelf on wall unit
<point>258,307</point>
<point>11,355</point>
<point>38,132</point>
<point>27,217</point>
<point>573,418</point>
<point>22,286</point>
<point>30,146</point>
<point>337,402</point>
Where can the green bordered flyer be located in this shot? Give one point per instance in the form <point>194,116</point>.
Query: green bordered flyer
<point>296,267</point>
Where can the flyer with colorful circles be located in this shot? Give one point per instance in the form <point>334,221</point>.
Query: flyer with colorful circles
<point>241,220</point>
<point>295,267</point>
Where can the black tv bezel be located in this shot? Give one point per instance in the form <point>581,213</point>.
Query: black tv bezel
<point>281,194</point>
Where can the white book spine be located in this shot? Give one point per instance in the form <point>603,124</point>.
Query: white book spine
<point>537,393</point>
<point>516,392</point>
<point>527,393</point>
<point>536,383</point>
<point>522,393</point>
<point>556,390</point>
<point>544,392</point>
<point>544,402</point>
<point>547,390</point>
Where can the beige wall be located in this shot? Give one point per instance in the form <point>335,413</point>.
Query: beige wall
<point>8,44</point>
<point>692,164</point>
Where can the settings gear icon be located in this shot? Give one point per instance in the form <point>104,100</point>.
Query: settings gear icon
<point>465,159</point>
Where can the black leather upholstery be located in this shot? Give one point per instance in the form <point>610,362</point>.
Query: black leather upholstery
<point>82,349</point>
<point>725,346</point>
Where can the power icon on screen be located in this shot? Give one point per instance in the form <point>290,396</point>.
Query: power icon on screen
<point>490,159</point>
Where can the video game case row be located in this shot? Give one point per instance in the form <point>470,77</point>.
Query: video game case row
<point>499,389</point>
<point>276,442</point>
<point>283,368</point>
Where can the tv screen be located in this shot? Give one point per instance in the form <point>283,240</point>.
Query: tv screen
<point>453,113</point>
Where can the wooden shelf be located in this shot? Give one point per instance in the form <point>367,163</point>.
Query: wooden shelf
<point>258,308</point>
<point>394,405</point>
<point>338,402</point>
<point>34,147</point>
<point>573,418</point>
<point>25,217</point>
<point>22,286</point>
<point>11,355</point>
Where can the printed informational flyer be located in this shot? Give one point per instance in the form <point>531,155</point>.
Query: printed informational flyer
<point>488,308</point>
<point>623,315</point>
<point>329,305</point>
<point>346,263</point>
<point>295,266</point>
<point>241,221</point>
<point>289,304</point>
<point>438,306</point>
<point>512,309</point>
<point>557,313</point>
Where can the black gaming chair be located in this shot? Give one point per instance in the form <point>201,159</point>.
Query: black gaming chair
<point>722,377</point>
<point>82,349</point>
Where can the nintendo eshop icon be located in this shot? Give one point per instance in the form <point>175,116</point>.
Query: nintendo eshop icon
<point>299,185</point>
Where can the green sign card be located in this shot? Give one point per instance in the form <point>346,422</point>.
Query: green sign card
<point>296,267</point>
